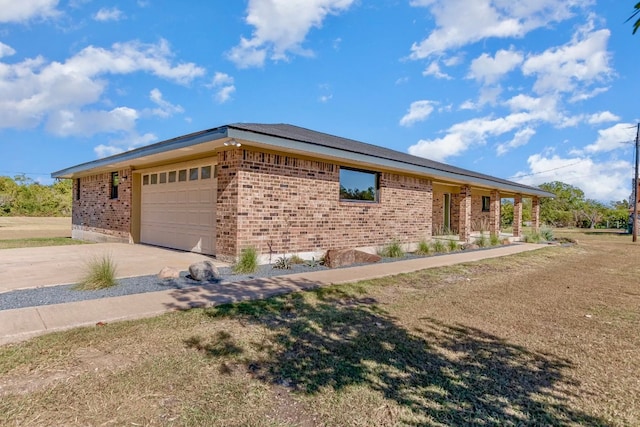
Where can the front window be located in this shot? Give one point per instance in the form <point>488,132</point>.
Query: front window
<point>358,185</point>
<point>115,180</point>
<point>486,203</point>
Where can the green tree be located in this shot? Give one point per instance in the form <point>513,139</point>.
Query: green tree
<point>506,213</point>
<point>617,214</point>
<point>22,196</point>
<point>563,210</point>
<point>592,212</point>
<point>636,24</point>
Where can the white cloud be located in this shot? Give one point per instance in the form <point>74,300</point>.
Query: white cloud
<point>526,113</point>
<point>417,112</point>
<point>109,14</point>
<point>103,150</point>
<point>612,138</point>
<point>573,66</point>
<point>165,108</point>
<point>468,105</point>
<point>521,138</point>
<point>281,27</point>
<point>602,117</point>
<point>434,70</point>
<point>489,70</point>
<point>87,123</point>
<point>439,149</point>
<point>224,94</point>
<point>604,181</point>
<point>25,10</point>
<point>35,90</point>
<point>221,79</point>
<point>223,83</point>
<point>460,22</point>
<point>325,98</point>
<point>588,94</point>
<point>132,140</point>
<point>6,50</point>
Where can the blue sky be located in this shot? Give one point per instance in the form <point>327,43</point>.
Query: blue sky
<point>532,91</point>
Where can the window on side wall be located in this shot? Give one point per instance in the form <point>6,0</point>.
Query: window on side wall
<point>486,203</point>
<point>359,185</point>
<point>78,189</point>
<point>115,180</point>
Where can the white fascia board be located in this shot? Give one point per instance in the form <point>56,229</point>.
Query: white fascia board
<point>149,150</point>
<point>322,151</point>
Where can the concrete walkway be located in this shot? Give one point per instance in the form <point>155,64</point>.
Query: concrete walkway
<point>20,324</point>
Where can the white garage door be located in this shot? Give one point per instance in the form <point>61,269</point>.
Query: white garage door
<point>178,207</point>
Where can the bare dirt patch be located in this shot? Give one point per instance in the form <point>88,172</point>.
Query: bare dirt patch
<point>33,227</point>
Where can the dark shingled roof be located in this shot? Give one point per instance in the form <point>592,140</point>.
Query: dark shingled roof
<point>295,133</point>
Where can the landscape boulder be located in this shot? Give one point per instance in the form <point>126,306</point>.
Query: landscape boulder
<point>340,257</point>
<point>204,271</point>
<point>169,273</point>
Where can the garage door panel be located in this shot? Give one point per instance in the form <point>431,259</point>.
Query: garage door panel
<point>180,215</point>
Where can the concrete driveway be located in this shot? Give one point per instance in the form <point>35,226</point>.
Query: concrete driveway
<point>55,265</point>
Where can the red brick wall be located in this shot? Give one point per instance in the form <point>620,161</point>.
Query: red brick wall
<point>288,204</point>
<point>480,220</point>
<point>227,202</point>
<point>96,212</point>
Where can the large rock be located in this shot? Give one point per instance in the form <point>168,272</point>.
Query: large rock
<point>341,257</point>
<point>204,270</point>
<point>169,273</point>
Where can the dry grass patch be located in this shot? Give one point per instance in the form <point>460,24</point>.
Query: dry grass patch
<point>35,242</point>
<point>542,338</point>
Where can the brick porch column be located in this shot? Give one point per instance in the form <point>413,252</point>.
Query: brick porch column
<point>535,213</point>
<point>494,213</point>
<point>464,220</point>
<point>517,216</point>
<point>227,204</point>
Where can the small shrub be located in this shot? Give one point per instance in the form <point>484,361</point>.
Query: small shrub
<point>282,263</point>
<point>295,259</point>
<point>248,261</point>
<point>453,246</point>
<point>439,247</point>
<point>482,241</point>
<point>393,250</point>
<point>313,262</point>
<point>423,248</point>
<point>547,234</point>
<point>494,239</point>
<point>532,237</point>
<point>100,274</point>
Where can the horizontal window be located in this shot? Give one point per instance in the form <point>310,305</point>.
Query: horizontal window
<point>193,174</point>
<point>172,176</point>
<point>154,178</point>
<point>145,180</point>
<point>163,177</point>
<point>182,175</point>
<point>359,185</point>
<point>205,172</point>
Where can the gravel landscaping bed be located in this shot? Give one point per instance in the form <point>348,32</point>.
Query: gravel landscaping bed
<point>151,283</point>
<point>134,285</point>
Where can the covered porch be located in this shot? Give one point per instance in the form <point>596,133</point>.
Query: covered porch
<point>467,212</point>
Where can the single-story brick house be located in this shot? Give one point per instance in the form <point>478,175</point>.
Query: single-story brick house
<point>282,189</point>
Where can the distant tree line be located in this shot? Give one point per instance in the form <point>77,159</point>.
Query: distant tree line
<point>357,194</point>
<point>22,196</point>
<point>570,208</point>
